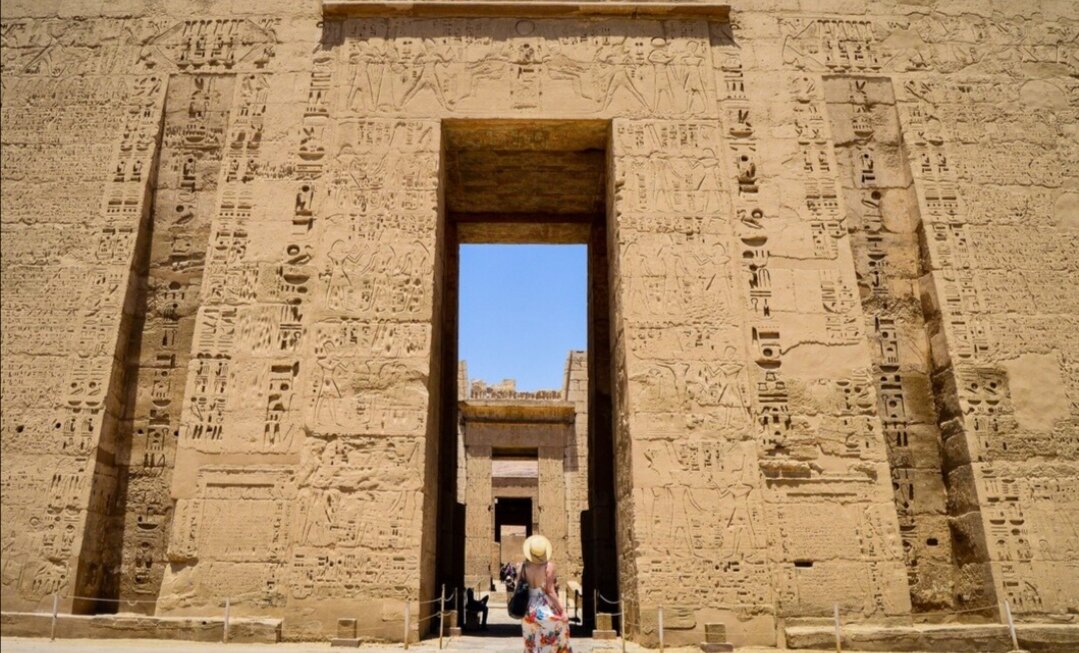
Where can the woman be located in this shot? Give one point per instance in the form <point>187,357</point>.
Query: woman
<point>546,626</point>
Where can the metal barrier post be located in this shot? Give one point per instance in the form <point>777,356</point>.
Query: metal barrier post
<point>1011,626</point>
<point>225,633</point>
<point>660,619</point>
<point>838,645</point>
<point>622,614</point>
<point>441,615</point>
<point>55,610</point>
<point>595,605</point>
<point>406,625</point>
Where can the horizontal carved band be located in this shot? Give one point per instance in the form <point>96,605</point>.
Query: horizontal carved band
<point>467,8</point>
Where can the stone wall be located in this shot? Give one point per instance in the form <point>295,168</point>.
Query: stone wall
<point>841,288</point>
<point>74,218</point>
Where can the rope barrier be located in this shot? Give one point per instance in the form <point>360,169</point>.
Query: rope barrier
<point>372,632</point>
<point>451,600</point>
<point>375,629</point>
<point>371,629</point>
<point>447,597</point>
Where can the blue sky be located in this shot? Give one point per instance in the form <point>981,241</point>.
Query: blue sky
<point>522,309</point>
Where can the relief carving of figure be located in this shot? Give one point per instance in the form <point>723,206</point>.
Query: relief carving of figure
<point>736,410</point>
<point>739,534</point>
<point>329,391</point>
<point>663,71</point>
<point>626,64</point>
<point>706,185</point>
<point>686,72</point>
<point>562,67</point>
<point>338,281</point>
<point>319,507</point>
<point>369,61</point>
<point>419,65</point>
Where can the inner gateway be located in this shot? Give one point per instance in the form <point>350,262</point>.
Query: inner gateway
<point>527,462</point>
<point>514,473</point>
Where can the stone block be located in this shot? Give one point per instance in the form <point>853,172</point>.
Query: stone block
<point>715,633</point>
<point>715,639</point>
<point>195,629</point>
<point>346,628</point>
<point>345,642</point>
<point>957,638</point>
<point>449,622</point>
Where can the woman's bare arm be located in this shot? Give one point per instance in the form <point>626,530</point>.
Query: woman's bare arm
<point>551,589</point>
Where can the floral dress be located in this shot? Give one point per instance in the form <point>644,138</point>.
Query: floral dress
<point>544,631</point>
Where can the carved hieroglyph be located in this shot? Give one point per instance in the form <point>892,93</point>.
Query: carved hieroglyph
<point>840,244</point>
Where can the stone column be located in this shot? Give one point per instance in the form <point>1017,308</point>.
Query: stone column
<point>552,517</point>
<point>479,517</point>
<point>576,464</point>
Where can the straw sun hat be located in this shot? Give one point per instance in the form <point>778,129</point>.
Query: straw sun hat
<point>537,549</point>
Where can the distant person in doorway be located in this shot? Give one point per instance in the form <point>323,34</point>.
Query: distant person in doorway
<point>546,626</point>
<point>472,605</point>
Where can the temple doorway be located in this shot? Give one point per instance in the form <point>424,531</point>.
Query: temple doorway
<point>513,460</point>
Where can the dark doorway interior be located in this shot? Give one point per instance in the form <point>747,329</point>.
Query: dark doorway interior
<point>512,511</point>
